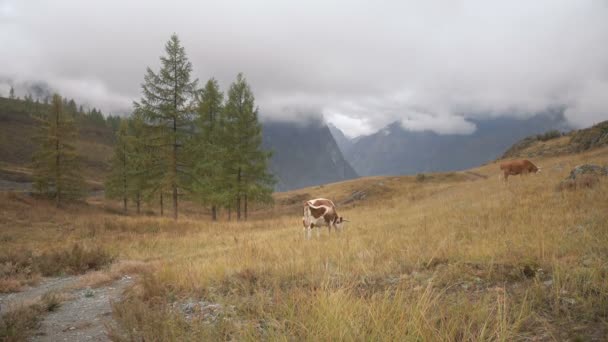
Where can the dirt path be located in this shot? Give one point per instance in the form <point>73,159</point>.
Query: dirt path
<point>83,314</point>
<point>33,293</point>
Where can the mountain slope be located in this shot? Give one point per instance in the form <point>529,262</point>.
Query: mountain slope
<point>344,143</point>
<point>394,150</point>
<point>304,155</point>
<point>554,143</point>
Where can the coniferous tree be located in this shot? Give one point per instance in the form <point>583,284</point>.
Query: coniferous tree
<point>56,164</point>
<point>166,104</point>
<point>208,147</point>
<point>246,161</point>
<point>144,177</point>
<point>11,93</point>
<point>118,183</point>
<point>71,108</point>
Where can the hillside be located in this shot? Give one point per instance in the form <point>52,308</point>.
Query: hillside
<point>291,144</point>
<point>394,150</point>
<point>18,127</point>
<point>452,256</point>
<point>554,144</point>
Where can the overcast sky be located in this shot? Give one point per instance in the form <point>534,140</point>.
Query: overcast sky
<point>362,65</point>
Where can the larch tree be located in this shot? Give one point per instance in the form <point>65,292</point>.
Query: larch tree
<point>246,160</point>
<point>144,171</point>
<point>55,166</point>
<point>118,183</point>
<point>167,105</point>
<point>208,147</point>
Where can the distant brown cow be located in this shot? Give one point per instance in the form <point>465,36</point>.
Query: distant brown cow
<point>518,167</point>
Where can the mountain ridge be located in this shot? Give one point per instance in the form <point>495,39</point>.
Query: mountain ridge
<point>394,150</point>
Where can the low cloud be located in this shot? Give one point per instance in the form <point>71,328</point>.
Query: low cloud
<point>430,65</point>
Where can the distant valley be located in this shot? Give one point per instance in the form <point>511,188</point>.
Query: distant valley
<point>396,151</point>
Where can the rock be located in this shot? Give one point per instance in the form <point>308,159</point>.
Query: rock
<point>588,169</point>
<point>188,308</point>
<point>357,195</point>
<point>570,301</point>
<point>583,176</point>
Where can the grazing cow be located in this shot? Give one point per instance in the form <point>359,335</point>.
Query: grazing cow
<point>319,212</point>
<point>518,167</point>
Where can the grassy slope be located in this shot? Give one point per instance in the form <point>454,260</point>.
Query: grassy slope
<point>458,256</point>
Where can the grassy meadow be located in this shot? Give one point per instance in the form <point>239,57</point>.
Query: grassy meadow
<point>444,257</point>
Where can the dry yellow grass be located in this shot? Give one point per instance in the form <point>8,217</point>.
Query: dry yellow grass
<point>457,256</point>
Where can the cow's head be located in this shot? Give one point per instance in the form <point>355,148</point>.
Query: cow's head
<point>340,222</point>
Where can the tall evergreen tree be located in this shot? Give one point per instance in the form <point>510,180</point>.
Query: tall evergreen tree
<point>144,177</point>
<point>118,184</point>
<point>167,105</point>
<point>11,93</point>
<point>56,164</point>
<point>208,147</point>
<point>246,160</point>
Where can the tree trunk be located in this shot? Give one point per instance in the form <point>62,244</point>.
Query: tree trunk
<point>57,164</point>
<point>229,213</point>
<point>138,201</point>
<point>213,213</point>
<point>174,166</point>
<point>245,205</point>
<point>161,204</point>
<point>175,202</point>
<point>238,195</point>
<point>124,180</point>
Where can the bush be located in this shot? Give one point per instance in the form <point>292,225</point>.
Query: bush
<point>76,260</point>
<point>549,135</point>
<point>21,266</point>
<point>420,177</point>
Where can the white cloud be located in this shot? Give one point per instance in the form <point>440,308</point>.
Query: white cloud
<point>428,64</point>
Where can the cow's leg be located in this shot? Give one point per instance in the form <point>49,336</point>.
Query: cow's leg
<point>308,231</point>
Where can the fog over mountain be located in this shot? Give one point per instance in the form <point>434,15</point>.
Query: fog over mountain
<point>396,151</point>
<point>430,65</point>
<point>304,154</point>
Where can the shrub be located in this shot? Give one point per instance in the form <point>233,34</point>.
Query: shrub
<point>76,260</point>
<point>553,134</point>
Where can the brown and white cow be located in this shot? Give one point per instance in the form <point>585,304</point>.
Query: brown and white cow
<point>321,212</point>
<point>518,167</point>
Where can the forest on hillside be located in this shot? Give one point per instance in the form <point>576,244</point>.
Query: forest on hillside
<point>181,141</point>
